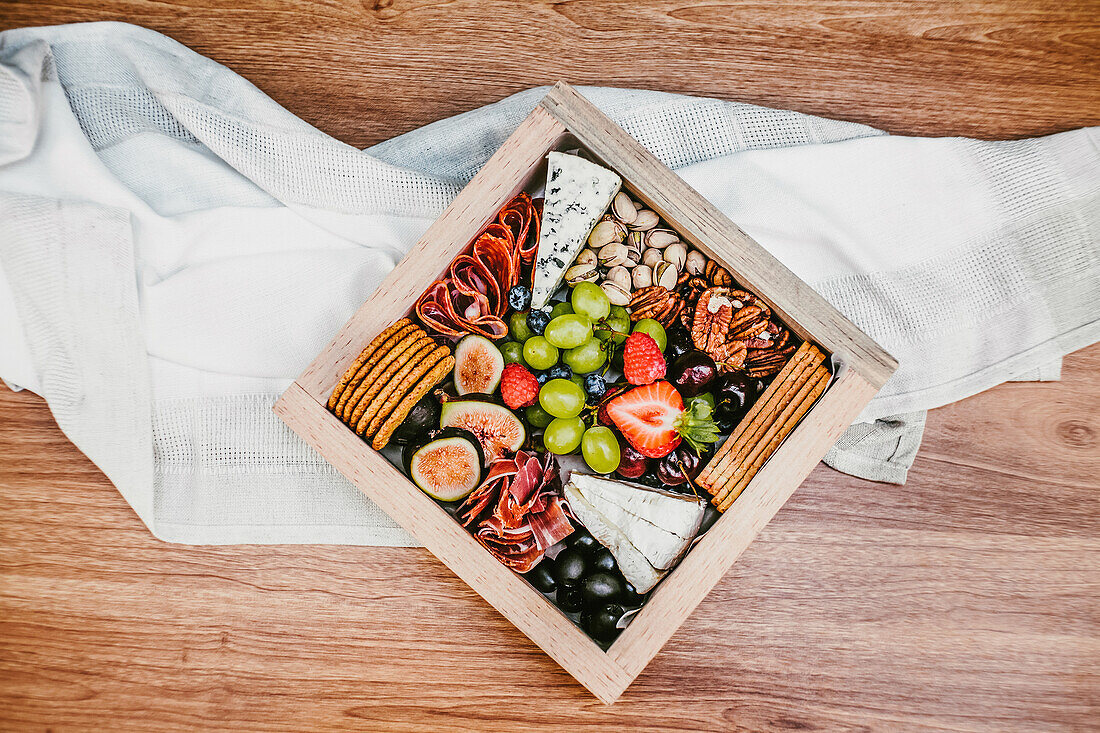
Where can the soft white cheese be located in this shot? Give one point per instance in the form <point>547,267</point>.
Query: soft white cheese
<point>632,563</point>
<point>577,194</point>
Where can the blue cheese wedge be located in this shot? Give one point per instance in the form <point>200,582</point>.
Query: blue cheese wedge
<point>632,563</point>
<point>577,194</point>
<point>659,524</point>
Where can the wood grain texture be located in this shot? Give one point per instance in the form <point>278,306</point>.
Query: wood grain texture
<point>965,600</point>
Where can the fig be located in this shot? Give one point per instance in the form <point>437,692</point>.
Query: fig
<point>692,373</point>
<point>424,416</point>
<point>478,365</point>
<point>447,466</point>
<point>497,428</point>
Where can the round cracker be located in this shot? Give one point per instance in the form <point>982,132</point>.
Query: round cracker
<point>398,386</point>
<point>347,400</point>
<point>378,378</point>
<point>364,355</point>
<point>438,373</point>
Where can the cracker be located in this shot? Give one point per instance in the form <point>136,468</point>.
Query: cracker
<point>364,355</point>
<point>374,385</point>
<point>438,373</point>
<point>398,385</point>
<point>367,382</point>
<point>376,352</point>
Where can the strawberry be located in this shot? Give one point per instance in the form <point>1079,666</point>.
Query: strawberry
<point>643,361</point>
<point>518,387</point>
<point>652,418</point>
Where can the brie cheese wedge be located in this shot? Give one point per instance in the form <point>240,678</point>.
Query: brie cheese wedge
<point>632,563</point>
<point>577,194</point>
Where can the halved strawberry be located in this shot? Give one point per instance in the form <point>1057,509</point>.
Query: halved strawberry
<point>652,418</point>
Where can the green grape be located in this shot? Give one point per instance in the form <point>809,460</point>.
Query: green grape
<point>560,309</point>
<point>586,358</point>
<point>589,300</point>
<point>513,352</point>
<point>562,398</point>
<point>600,449</point>
<point>518,328</point>
<point>538,417</point>
<point>577,380</point>
<point>654,329</point>
<point>563,435</point>
<point>568,331</point>
<point>616,325</point>
<point>539,353</point>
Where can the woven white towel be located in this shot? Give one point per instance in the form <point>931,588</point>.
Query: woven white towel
<point>175,247</point>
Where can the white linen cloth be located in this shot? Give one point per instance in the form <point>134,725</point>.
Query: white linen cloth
<point>175,248</point>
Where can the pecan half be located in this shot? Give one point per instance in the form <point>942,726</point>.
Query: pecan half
<point>656,302</point>
<point>717,275</point>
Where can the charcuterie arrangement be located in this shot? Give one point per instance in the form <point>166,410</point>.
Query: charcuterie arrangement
<point>583,391</point>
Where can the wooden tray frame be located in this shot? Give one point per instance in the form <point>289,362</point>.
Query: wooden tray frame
<point>564,116</point>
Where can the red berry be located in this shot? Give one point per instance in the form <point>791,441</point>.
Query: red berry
<point>518,387</point>
<point>643,362</point>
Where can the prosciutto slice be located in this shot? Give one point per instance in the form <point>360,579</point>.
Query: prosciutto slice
<point>473,296</point>
<point>517,512</point>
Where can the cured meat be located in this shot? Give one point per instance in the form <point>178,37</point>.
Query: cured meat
<point>517,512</point>
<point>473,296</point>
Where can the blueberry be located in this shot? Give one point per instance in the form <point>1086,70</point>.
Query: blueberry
<point>542,376</point>
<point>519,297</point>
<point>559,371</point>
<point>537,320</point>
<point>595,386</point>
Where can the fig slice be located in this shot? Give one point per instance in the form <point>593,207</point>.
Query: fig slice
<point>447,466</point>
<point>497,428</point>
<point>478,365</point>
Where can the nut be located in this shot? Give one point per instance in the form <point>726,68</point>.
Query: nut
<point>642,276</point>
<point>623,208</point>
<point>676,254</point>
<point>665,274</point>
<point>645,220</point>
<point>633,256</point>
<point>651,257</point>
<point>586,257</point>
<point>613,254</point>
<point>583,273</point>
<point>695,263</point>
<point>616,294</point>
<point>606,232</point>
<point>661,238</point>
<point>618,275</point>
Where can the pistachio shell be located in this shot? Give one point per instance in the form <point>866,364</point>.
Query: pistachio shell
<point>665,274</point>
<point>585,272</point>
<point>651,257</point>
<point>661,238</point>
<point>623,208</point>
<point>616,294</point>
<point>613,254</point>
<point>633,256</point>
<point>618,275</point>
<point>696,262</point>
<point>642,276</point>
<point>606,232</point>
<point>646,219</point>
<point>586,257</point>
<point>676,254</point>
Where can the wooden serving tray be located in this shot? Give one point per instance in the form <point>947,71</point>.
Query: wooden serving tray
<point>565,120</point>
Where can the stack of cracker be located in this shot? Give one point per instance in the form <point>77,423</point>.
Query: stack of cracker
<point>379,389</point>
<point>790,395</point>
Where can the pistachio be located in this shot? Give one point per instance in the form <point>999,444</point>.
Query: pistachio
<point>660,238</point>
<point>645,220</point>
<point>586,257</point>
<point>665,274</point>
<point>633,256</point>
<point>618,275</point>
<point>676,254</point>
<point>636,240</point>
<point>642,276</point>
<point>696,262</point>
<point>651,257</point>
<point>585,272</point>
<point>613,254</point>
<point>606,232</point>
<point>617,294</point>
<point>623,208</point>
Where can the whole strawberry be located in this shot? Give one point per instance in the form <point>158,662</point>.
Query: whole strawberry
<point>643,362</point>
<point>518,387</point>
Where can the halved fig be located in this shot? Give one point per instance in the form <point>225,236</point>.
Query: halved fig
<point>496,427</point>
<point>447,466</point>
<point>478,365</point>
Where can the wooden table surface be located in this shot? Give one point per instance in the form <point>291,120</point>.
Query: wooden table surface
<point>965,600</point>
